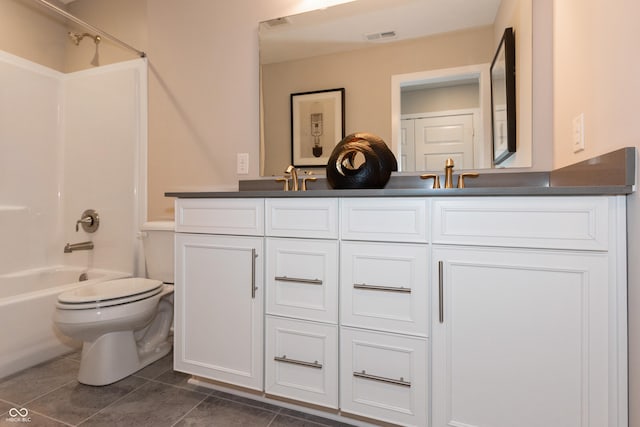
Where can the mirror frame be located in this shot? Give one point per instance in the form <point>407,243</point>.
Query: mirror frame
<point>507,50</point>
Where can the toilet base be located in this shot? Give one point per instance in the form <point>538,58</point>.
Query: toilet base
<point>115,356</point>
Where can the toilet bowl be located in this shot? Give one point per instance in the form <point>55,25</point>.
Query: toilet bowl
<point>124,324</point>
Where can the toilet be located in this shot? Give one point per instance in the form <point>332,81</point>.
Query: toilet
<point>124,324</point>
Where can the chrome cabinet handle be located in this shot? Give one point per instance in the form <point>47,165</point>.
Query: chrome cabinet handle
<point>363,374</point>
<point>381,288</point>
<point>298,280</point>
<point>254,255</point>
<point>440,292</point>
<point>285,359</point>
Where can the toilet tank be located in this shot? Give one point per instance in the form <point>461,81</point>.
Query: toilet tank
<point>158,244</point>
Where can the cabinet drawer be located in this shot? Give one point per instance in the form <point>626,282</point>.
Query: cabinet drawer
<point>384,286</point>
<point>302,278</point>
<point>535,222</point>
<point>384,376</point>
<point>384,219</point>
<point>301,361</point>
<point>316,218</point>
<point>220,216</point>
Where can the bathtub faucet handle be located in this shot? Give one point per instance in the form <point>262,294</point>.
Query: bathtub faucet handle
<point>86,220</point>
<point>89,220</point>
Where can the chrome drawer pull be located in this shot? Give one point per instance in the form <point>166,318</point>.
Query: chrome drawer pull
<point>364,375</point>
<point>381,288</point>
<point>440,292</point>
<point>298,362</point>
<point>297,280</point>
<point>254,255</point>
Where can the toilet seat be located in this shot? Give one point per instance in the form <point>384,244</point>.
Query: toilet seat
<point>109,293</point>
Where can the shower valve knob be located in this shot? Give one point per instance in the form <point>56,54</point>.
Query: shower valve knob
<point>90,221</point>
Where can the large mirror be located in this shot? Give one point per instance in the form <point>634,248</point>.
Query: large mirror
<point>410,68</point>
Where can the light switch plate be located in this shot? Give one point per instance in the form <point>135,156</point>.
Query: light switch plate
<point>242,167</point>
<point>578,133</point>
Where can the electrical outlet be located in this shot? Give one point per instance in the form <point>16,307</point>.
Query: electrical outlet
<point>242,166</point>
<point>578,133</point>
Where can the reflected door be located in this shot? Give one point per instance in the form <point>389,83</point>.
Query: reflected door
<point>442,137</point>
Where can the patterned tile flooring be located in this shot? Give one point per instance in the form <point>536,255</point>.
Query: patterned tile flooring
<point>154,396</point>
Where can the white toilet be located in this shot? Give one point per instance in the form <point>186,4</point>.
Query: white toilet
<point>124,324</point>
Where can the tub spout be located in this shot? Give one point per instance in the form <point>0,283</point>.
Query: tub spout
<point>84,246</point>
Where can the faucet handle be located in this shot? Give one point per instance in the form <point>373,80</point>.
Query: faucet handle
<point>308,177</point>
<point>90,221</point>
<point>436,179</point>
<point>285,180</point>
<point>466,174</point>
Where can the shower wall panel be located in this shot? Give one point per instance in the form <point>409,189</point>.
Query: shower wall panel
<point>70,142</point>
<point>104,111</point>
<point>30,164</point>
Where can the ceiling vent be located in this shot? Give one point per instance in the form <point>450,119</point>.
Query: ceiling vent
<point>277,22</point>
<point>384,35</point>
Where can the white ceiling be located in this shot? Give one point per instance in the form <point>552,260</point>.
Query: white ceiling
<point>344,27</point>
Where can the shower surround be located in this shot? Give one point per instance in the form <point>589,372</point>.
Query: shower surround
<point>70,142</point>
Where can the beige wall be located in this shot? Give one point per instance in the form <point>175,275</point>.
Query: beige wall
<point>203,101</point>
<point>29,31</point>
<point>597,72</point>
<point>366,76</point>
<point>33,32</point>
<point>124,19</point>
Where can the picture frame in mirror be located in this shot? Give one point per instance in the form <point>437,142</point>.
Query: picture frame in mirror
<point>317,125</point>
<point>503,98</point>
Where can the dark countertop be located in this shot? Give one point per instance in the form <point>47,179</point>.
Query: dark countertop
<point>609,174</point>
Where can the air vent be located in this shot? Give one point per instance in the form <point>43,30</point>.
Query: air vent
<point>277,22</point>
<point>384,35</point>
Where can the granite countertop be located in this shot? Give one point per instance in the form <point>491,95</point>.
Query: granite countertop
<point>609,174</point>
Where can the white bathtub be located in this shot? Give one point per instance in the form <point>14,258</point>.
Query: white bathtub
<point>27,303</point>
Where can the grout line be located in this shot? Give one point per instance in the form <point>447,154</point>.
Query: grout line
<point>48,392</point>
<point>274,418</point>
<point>190,410</point>
<point>115,401</point>
<point>51,418</point>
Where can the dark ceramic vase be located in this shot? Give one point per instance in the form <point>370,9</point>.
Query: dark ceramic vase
<point>360,160</point>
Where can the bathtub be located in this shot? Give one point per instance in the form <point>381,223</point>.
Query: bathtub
<point>27,303</point>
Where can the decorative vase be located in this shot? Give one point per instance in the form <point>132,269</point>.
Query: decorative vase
<point>360,160</point>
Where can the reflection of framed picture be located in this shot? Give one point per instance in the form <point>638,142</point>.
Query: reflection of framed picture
<point>317,125</point>
<point>503,98</point>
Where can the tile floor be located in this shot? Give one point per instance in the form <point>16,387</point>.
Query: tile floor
<point>154,396</point>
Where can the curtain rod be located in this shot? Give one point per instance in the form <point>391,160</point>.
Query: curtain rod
<point>91,27</point>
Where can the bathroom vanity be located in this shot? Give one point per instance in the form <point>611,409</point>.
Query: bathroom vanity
<point>412,307</point>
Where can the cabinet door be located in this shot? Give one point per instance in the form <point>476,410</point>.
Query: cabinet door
<point>384,286</point>
<point>520,338</point>
<point>218,306</point>
<point>301,361</point>
<point>384,376</point>
<point>302,278</point>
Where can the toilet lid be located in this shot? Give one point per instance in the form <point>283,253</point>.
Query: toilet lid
<point>112,291</point>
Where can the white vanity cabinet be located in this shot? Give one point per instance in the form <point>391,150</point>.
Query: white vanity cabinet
<point>413,311</point>
<point>301,279</point>
<point>527,312</point>
<point>384,309</point>
<point>219,292</point>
